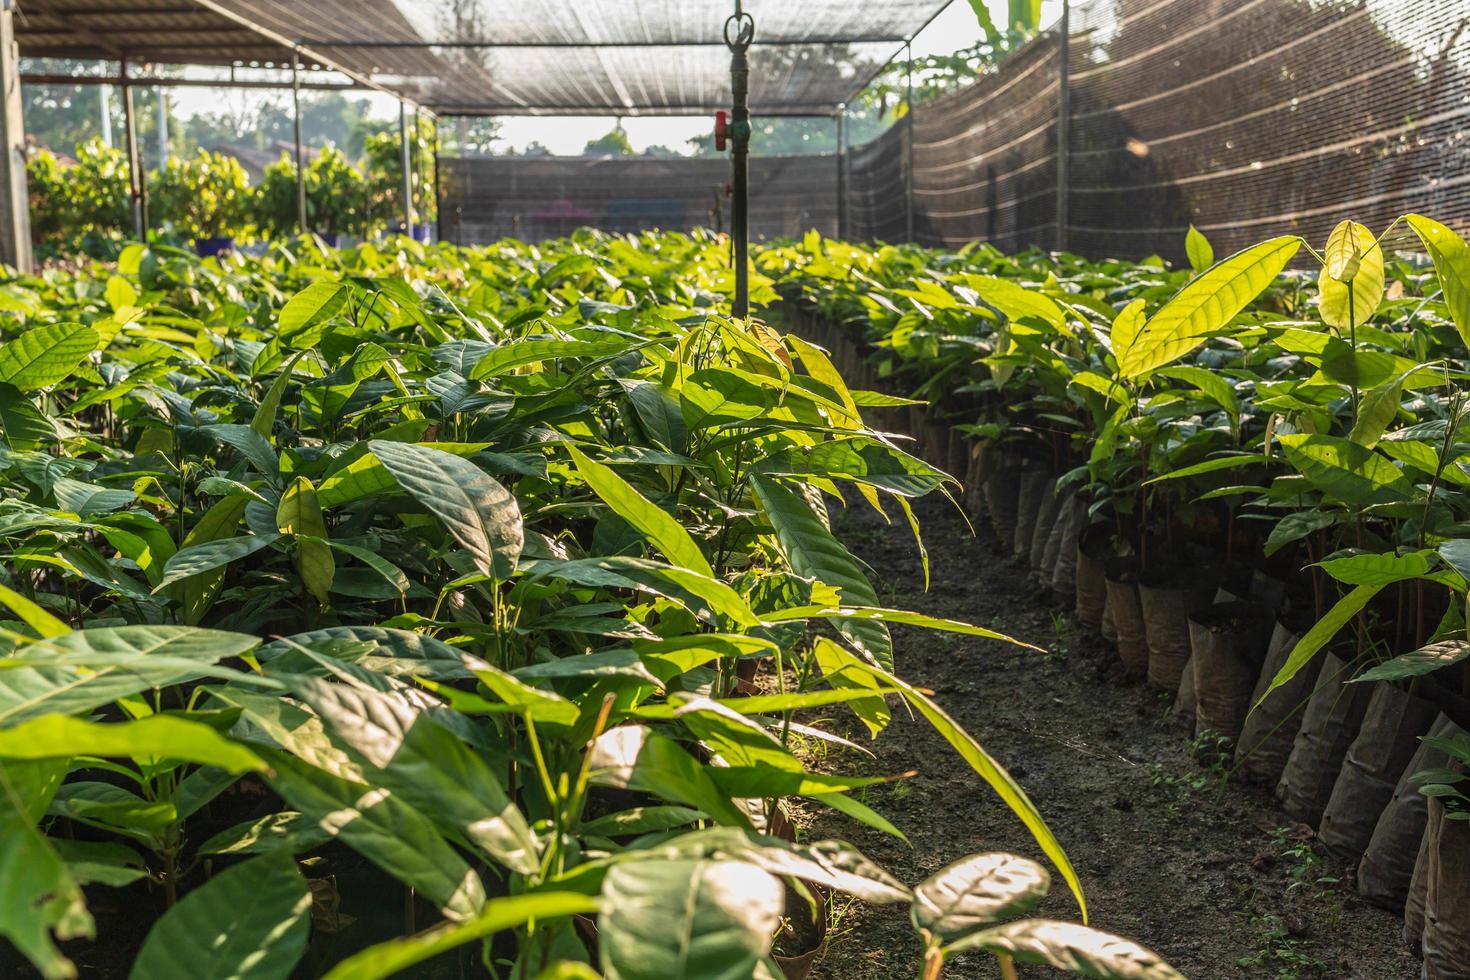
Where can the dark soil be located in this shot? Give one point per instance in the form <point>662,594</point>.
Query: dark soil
<point>1207,872</point>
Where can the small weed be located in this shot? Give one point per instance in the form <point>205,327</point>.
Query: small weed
<point>1303,864</point>
<point>1280,951</point>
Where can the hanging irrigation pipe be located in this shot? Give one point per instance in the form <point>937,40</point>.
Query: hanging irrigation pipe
<point>739,32</point>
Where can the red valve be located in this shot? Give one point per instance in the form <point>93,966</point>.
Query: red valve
<point>722,129</point>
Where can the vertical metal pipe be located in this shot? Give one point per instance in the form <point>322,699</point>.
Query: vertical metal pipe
<point>740,178</point>
<point>162,126</point>
<point>406,164</point>
<point>301,222</point>
<point>908,163</point>
<point>136,184</point>
<point>1064,122</point>
<point>103,92</point>
<point>15,210</point>
<point>438,193</point>
<point>841,177</point>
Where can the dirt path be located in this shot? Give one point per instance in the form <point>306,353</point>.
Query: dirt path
<point>1165,853</point>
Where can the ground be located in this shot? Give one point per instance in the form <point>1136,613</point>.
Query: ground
<point>1206,872</point>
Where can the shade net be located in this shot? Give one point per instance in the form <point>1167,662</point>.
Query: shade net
<point>491,57</point>
<point>1246,118</point>
<point>535,198</point>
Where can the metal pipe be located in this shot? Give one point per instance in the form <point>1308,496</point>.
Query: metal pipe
<point>106,130</point>
<point>841,176</point>
<point>54,78</point>
<point>405,163</point>
<point>739,44</point>
<point>908,165</point>
<point>438,192</point>
<point>162,128</point>
<point>301,222</point>
<point>1064,122</point>
<point>137,186</point>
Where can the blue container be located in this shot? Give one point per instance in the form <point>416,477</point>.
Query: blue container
<point>205,247</point>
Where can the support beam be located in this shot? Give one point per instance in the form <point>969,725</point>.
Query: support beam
<point>908,163</point>
<point>44,78</point>
<point>438,190</point>
<point>406,162</point>
<point>1064,122</point>
<point>15,209</point>
<point>162,128</point>
<point>743,26</point>
<point>301,222</point>
<point>841,175</point>
<point>137,186</point>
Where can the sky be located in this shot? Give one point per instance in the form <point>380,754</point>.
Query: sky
<point>953,29</point>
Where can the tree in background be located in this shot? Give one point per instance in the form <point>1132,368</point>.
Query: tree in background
<point>612,144</point>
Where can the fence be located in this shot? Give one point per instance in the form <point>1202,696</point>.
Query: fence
<point>1245,118</point>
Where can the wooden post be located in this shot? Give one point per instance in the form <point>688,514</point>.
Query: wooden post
<point>15,207</point>
<point>137,185</point>
<point>1064,122</point>
<point>301,222</point>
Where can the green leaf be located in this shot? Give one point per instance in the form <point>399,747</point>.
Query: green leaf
<point>689,918</point>
<point>285,829</point>
<point>1216,388</point>
<point>396,955</point>
<point>385,830</point>
<point>200,558</point>
<point>1352,277</point>
<point>511,356</point>
<point>250,920</point>
<point>1417,663</point>
<point>1378,409</point>
<point>971,751</point>
<point>45,355</point>
<point>1319,635</point>
<point>426,766</point>
<point>1297,525</point>
<point>302,316</point>
<point>480,513</point>
<point>160,736</point>
<point>38,619</point>
<point>251,444</point>
<point>264,420</point>
<point>1378,569</point>
<point>300,516</point>
<point>1209,466</point>
<point>88,499</point>
<point>654,523</point>
<point>975,892</point>
<point>636,757</point>
<point>1452,264</point>
<point>38,895</point>
<point>23,425</point>
<point>197,593</point>
<point>1344,470</point>
<point>366,475</point>
<point>814,552</point>
<point>1206,305</point>
<point>1070,947</point>
<point>862,460</point>
<point>1198,249</point>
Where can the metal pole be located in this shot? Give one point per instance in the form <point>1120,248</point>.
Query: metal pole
<point>15,208</point>
<point>403,159</point>
<point>1064,122</point>
<point>106,130</point>
<point>438,193</point>
<point>136,184</point>
<point>841,176</point>
<point>908,165</point>
<point>162,127</point>
<point>301,222</point>
<point>739,44</point>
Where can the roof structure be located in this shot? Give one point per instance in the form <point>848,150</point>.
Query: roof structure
<point>509,57</point>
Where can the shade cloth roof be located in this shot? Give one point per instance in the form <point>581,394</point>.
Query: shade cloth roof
<point>499,57</point>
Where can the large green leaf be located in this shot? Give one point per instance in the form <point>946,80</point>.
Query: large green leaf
<point>971,751</point>
<point>1452,263</point>
<point>23,425</point>
<point>390,958</point>
<point>1347,472</point>
<point>1417,663</point>
<point>300,321</point>
<point>89,499</point>
<point>654,523</point>
<point>251,444</point>
<point>45,355</point>
<point>861,459</point>
<point>480,513</point>
<point>1319,635</point>
<point>1070,947</point>
<point>637,757</point>
<point>511,356</point>
<point>687,918</point>
<point>85,669</point>
<point>1206,305</point>
<point>977,891</point>
<point>300,516</point>
<point>200,558</point>
<point>814,552</point>
<point>1198,249</point>
<point>385,830</point>
<point>38,895</point>
<point>153,737</point>
<point>365,475</point>
<point>1351,281</point>
<point>427,767</point>
<point>248,922</point>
